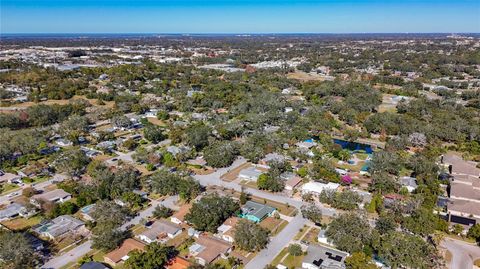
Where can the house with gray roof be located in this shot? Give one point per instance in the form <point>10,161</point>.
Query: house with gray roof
<point>55,196</point>
<point>256,212</point>
<point>60,226</point>
<point>323,257</point>
<point>250,174</point>
<point>160,231</point>
<point>12,210</point>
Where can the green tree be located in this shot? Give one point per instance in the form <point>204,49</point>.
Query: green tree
<point>71,161</point>
<point>155,256</point>
<point>220,154</point>
<point>312,213</point>
<point>16,251</point>
<point>359,260</point>
<point>295,250</point>
<point>349,232</point>
<point>197,135</point>
<point>210,212</point>
<point>474,232</point>
<point>250,236</point>
<point>153,133</point>
<point>162,212</point>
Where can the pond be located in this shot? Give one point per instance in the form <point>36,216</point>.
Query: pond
<point>353,146</point>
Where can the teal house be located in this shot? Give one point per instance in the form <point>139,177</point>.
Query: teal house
<point>256,212</point>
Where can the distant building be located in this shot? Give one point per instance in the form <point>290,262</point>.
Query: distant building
<point>410,183</point>
<point>256,212</point>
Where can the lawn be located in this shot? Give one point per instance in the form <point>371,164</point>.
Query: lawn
<point>301,232</point>
<point>288,260</point>
<point>9,187</point>
<point>178,240</point>
<point>22,223</point>
<point>312,235</point>
<point>274,225</point>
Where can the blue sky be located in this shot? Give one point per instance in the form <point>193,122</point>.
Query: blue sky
<point>244,16</point>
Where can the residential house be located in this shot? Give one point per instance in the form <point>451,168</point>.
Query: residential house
<point>208,249</point>
<point>410,183</point>
<point>160,231</point>
<point>271,157</point>
<point>291,180</point>
<point>256,212</point>
<point>93,265</point>
<point>60,227</point>
<point>178,263</point>
<point>323,257</point>
<point>179,216</point>
<point>12,210</point>
<point>55,196</point>
<point>250,174</point>
<point>63,142</point>
<point>86,212</point>
<point>9,177</point>
<point>463,206</point>
<point>120,254</point>
<point>226,231</point>
<point>317,187</point>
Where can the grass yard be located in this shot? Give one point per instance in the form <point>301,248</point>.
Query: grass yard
<point>301,232</point>
<point>288,260</point>
<point>156,121</point>
<point>249,184</point>
<point>19,224</point>
<point>178,240</point>
<point>7,187</point>
<point>274,225</point>
<point>312,235</point>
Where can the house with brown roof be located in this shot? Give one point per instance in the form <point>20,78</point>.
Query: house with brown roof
<point>208,249</point>
<point>226,231</point>
<point>160,231</point>
<point>120,254</point>
<point>179,216</point>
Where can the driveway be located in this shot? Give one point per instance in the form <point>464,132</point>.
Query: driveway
<point>78,252</point>
<point>463,254</point>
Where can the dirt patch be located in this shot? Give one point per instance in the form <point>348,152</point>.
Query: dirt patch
<point>233,174</point>
<point>302,76</point>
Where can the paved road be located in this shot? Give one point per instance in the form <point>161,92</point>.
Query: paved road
<point>282,239</point>
<point>5,199</point>
<point>79,251</point>
<point>463,254</point>
<point>214,179</point>
<point>277,243</point>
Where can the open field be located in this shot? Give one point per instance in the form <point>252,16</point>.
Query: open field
<point>302,76</point>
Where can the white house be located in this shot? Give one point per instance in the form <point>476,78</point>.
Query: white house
<point>317,187</point>
<point>250,174</point>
